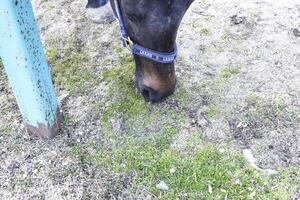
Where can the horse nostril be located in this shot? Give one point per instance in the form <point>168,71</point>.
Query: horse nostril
<point>153,95</point>
<point>150,94</point>
<point>146,92</point>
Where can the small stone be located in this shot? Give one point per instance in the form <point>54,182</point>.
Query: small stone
<point>240,124</point>
<point>209,189</point>
<point>80,132</point>
<point>237,181</point>
<point>252,195</point>
<point>116,125</point>
<point>249,156</point>
<point>162,186</point>
<point>296,32</point>
<point>203,122</point>
<point>235,20</point>
<point>271,172</point>
<point>222,150</point>
<point>193,121</point>
<point>173,170</point>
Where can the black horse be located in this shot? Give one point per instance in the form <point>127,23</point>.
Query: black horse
<point>152,24</point>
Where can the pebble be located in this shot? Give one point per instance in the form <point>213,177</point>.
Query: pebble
<point>271,172</point>
<point>296,32</point>
<point>235,20</point>
<point>203,122</point>
<point>249,157</point>
<point>237,181</point>
<point>221,150</point>
<point>173,170</point>
<point>162,186</point>
<point>209,189</point>
<point>252,195</point>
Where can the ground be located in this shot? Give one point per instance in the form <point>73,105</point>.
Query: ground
<point>230,131</point>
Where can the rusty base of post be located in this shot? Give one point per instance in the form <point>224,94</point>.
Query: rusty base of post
<point>43,131</point>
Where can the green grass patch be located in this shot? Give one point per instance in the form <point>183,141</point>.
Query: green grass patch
<point>268,114</point>
<point>286,184</point>
<point>227,175</point>
<point>136,147</point>
<point>2,71</point>
<point>70,66</point>
<point>212,110</point>
<point>229,72</point>
<point>205,31</point>
<point>122,95</point>
<point>124,103</point>
<point>5,129</point>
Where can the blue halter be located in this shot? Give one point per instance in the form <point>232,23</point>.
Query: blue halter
<point>139,50</point>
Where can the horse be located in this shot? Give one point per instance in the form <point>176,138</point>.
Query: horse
<point>149,28</point>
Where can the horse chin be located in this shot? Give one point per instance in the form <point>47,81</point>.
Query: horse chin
<point>101,15</point>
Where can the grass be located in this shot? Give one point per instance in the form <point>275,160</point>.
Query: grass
<point>149,155</point>
<point>142,145</point>
<point>212,110</point>
<point>2,72</point>
<point>4,128</point>
<point>229,72</point>
<point>227,174</point>
<point>70,66</point>
<point>122,95</point>
<point>205,31</point>
<point>268,114</point>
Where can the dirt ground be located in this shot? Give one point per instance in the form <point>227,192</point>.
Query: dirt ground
<point>238,87</point>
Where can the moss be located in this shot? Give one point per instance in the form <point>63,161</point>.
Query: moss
<point>67,120</point>
<point>50,6</point>
<point>142,143</point>
<point>70,66</point>
<point>225,35</point>
<point>227,175</point>
<point>205,31</point>
<point>286,183</point>
<point>5,129</point>
<point>2,72</point>
<point>122,94</point>
<point>123,102</point>
<point>269,114</point>
<point>149,155</point>
<point>212,110</point>
<point>229,72</point>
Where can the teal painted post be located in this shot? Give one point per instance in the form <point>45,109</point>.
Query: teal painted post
<point>27,69</point>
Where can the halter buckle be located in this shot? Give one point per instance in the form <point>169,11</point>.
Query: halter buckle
<point>127,41</point>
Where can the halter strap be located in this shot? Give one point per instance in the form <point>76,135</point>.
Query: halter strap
<point>139,50</point>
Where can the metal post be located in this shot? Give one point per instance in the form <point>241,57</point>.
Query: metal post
<point>27,69</point>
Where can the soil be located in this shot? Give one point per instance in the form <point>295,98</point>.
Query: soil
<point>239,59</point>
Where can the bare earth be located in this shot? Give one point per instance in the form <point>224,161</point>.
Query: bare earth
<point>239,68</point>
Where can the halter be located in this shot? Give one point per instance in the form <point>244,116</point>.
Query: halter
<point>139,50</point>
